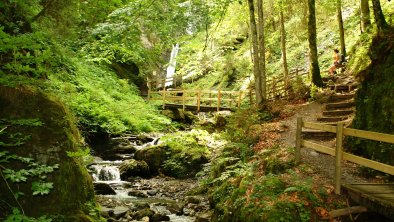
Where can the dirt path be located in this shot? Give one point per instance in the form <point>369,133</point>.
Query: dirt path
<point>321,163</point>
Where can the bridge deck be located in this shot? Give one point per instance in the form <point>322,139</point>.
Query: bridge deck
<point>376,197</point>
<point>194,107</point>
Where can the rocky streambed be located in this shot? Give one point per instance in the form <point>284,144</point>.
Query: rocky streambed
<point>132,184</point>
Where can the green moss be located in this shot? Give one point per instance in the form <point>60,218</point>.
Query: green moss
<point>374,100</point>
<point>48,144</point>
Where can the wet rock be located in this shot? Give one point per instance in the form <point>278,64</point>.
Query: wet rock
<point>154,156</point>
<point>140,206</point>
<point>124,149</point>
<point>193,199</point>
<point>159,217</point>
<point>204,216</point>
<point>119,212</point>
<point>188,212</point>
<point>151,192</point>
<point>175,208</point>
<point>143,213</point>
<point>103,189</point>
<point>142,139</point>
<point>136,193</point>
<point>179,115</point>
<point>132,168</point>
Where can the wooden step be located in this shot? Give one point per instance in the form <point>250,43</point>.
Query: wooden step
<point>338,112</point>
<point>341,97</point>
<point>339,105</point>
<point>343,88</point>
<point>331,118</point>
<point>317,134</point>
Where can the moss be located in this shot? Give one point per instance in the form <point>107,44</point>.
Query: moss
<point>374,101</point>
<point>48,145</point>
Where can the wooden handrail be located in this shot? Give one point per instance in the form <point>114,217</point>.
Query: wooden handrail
<point>338,152</point>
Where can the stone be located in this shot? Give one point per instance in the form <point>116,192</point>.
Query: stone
<point>154,156</point>
<point>193,199</point>
<point>151,192</point>
<point>204,216</point>
<point>133,168</point>
<point>119,211</point>
<point>140,206</point>
<point>175,208</point>
<point>103,189</point>
<point>159,217</point>
<point>143,213</point>
<point>136,193</point>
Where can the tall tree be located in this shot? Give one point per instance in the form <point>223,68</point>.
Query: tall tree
<point>340,25</point>
<point>314,63</point>
<point>255,52</point>
<point>260,30</point>
<point>365,17</point>
<point>283,44</point>
<point>378,14</point>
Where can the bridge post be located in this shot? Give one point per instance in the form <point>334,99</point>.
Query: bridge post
<point>298,140</point>
<point>198,100</point>
<point>219,100</point>
<point>164,97</point>
<point>338,157</point>
<point>183,100</point>
<point>239,99</point>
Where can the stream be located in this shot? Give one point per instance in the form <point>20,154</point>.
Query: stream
<point>159,198</point>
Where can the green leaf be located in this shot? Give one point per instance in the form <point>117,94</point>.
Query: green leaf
<point>41,188</point>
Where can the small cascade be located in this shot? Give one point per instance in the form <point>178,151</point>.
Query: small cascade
<point>105,173</point>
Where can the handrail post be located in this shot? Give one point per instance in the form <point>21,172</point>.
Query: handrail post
<point>149,89</point>
<point>239,99</point>
<point>164,97</point>
<point>219,100</point>
<point>338,157</point>
<point>298,140</point>
<point>183,100</point>
<point>198,100</point>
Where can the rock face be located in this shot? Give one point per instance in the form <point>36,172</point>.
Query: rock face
<point>47,144</point>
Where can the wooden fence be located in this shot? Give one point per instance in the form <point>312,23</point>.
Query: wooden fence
<point>211,98</point>
<point>277,87</point>
<point>338,152</point>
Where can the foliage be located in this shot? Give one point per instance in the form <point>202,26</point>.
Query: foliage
<point>28,169</point>
<point>18,216</point>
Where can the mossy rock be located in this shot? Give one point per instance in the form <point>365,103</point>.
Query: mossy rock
<point>48,144</point>
<point>179,115</point>
<point>132,168</point>
<point>154,156</point>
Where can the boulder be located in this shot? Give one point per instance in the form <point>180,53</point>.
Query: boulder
<point>154,156</point>
<point>103,189</point>
<point>160,217</point>
<point>143,213</point>
<point>133,168</point>
<point>204,216</point>
<point>48,144</point>
<point>179,115</point>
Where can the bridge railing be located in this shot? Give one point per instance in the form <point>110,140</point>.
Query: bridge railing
<point>199,98</point>
<point>277,87</point>
<point>338,152</point>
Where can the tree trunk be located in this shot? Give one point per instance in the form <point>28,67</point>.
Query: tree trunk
<point>283,46</point>
<point>261,50</point>
<point>365,18</point>
<point>340,24</point>
<point>255,52</point>
<point>379,17</point>
<point>314,63</point>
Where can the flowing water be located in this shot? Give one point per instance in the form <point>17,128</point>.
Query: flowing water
<point>157,192</point>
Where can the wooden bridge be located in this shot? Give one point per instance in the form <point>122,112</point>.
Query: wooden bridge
<point>216,100</point>
<point>375,197</point>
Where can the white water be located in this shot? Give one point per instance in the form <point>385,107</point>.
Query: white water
<point>172,65</point>
<point>105,173</point>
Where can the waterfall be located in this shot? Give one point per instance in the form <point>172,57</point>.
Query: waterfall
<point>172,65</point>
<point>105,173</point>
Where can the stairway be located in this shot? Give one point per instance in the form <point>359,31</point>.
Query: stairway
<point>339,108</point>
